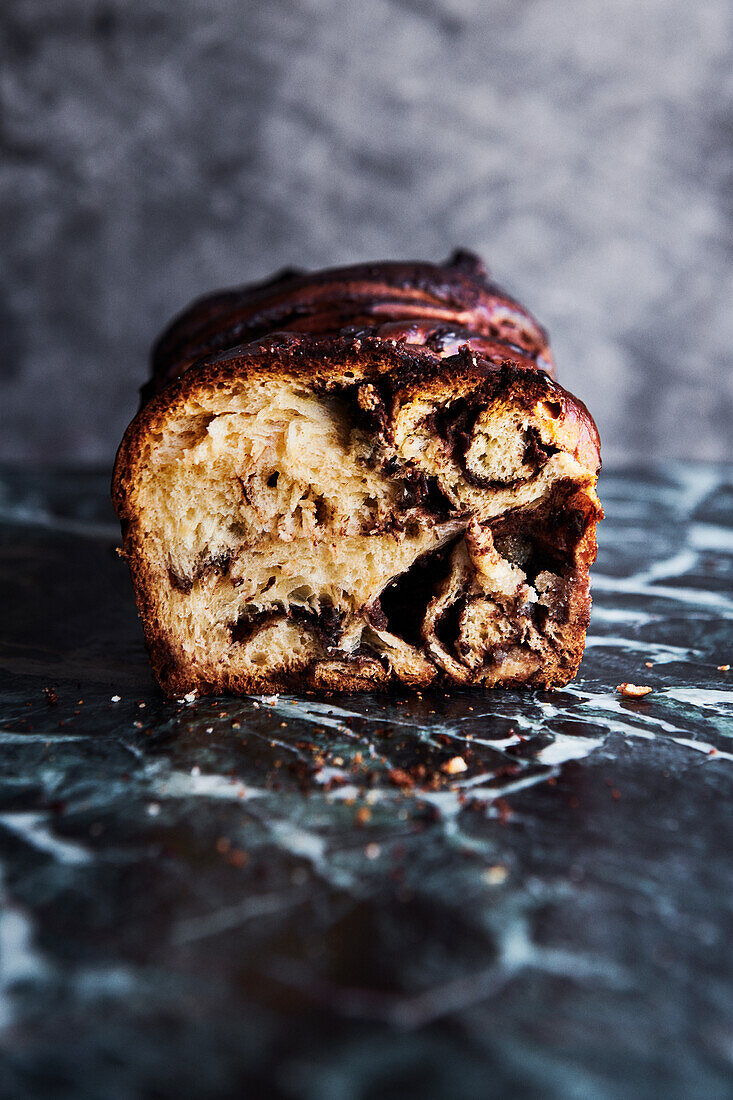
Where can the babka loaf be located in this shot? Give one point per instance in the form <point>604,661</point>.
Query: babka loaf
<point>355,479</point>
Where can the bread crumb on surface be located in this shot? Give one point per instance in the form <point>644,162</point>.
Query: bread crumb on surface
<point>633,691</point>
<point>455,766</point>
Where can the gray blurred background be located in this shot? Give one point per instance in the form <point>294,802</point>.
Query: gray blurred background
<point>154,150</point>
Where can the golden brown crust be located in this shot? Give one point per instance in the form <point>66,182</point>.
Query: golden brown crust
<point>390,375</point>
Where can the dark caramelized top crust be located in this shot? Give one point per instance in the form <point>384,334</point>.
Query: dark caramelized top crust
<point>441,307</point>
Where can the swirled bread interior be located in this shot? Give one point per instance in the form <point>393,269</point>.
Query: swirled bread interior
<point>352,513</point>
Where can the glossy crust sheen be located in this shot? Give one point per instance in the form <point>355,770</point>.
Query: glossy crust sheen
<point>385,337</point>
<point>442,306</point>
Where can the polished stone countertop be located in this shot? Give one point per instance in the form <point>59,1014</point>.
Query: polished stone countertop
<point>293,898</point>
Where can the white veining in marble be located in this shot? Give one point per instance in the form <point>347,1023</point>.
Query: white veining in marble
<point>35,830</point>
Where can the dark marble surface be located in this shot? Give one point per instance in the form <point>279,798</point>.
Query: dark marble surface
<point>241,897</point>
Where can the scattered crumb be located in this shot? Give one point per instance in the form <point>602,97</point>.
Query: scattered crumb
<point>503,809</point>
<point>372,851</point>
<point>723,668</point>
<point>116,699</point>
<point>51,696</point>
<point>362,815</point>
<point>633,691</point>
<point>400,778</point>
<point>238,857</point>
<point>189,697</point>
<point>648,664</point>
<point>454,766</point>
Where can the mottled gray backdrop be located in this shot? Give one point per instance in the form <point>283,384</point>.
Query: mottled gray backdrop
<point>155,149</point>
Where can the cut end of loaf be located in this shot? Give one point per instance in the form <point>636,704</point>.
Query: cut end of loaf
<point>350,516</point>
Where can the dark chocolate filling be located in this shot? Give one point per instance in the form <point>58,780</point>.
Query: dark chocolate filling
<point>544,556</point>
<point>182,584</point>
<point>326,623</point>
<point>421,490</point>
<point>404,602</point>
<point>455,423</point>
<point>250,623</point>
<point>446,628</point>
<point>206,565</point>
<point>536,453</point>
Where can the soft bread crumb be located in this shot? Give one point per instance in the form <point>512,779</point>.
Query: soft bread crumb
<point>633,691</point>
